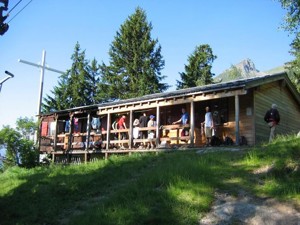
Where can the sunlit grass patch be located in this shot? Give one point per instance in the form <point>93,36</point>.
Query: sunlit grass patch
<point>144,188</point>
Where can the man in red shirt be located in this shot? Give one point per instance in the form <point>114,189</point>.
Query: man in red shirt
<point>121,122</point>
<point>122,125</point>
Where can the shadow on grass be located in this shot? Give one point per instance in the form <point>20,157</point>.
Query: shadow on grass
<point>174,188</point>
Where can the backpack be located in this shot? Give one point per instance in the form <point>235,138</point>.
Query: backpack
<point>228,141</point>
<point>215,141</point>
<point>243,140</point>
<point>272,115</point>
<point>275,115</point>
<point>267,116</point>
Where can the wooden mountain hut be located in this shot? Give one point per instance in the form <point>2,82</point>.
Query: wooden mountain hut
<point>238,109</point>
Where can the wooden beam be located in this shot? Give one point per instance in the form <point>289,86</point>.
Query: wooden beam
<point>157,125</point>
<point>170,101</point>
<point>237,120</point>
<point>88,129</point>
<point>130,128</point>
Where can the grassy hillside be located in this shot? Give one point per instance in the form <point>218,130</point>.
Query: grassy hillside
<point>171,188</point>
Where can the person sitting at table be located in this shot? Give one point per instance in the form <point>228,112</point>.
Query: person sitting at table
<point>143,121</point>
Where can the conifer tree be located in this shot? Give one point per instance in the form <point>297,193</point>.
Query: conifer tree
<point>79,88</point>
<point>198,71</point>
<point>76,87</point>
<point>135,61</point>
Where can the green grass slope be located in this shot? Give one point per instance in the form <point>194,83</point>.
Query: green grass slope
<point>169,188</point>
<point>278,69</point>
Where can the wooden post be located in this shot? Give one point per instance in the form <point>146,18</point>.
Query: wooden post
<point>130,129</point>
<point>70,133</point>
<point>88,130</point>
<point>85,157</point>
<point>70,140</point>
<point>157,138</point>
<point>55,134</point>
<point>108,130</point>
<point>237,120</point>
<point>192,124</point>
<point>88,136</point>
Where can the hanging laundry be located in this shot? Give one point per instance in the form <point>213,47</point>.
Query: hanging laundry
<point>67,126</point>
<point>52,128</point>
<point>44,129</point>
<point>76,124</point>
<point>96,123</point>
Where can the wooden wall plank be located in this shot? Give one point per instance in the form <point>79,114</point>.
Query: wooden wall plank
<point>288,108</point>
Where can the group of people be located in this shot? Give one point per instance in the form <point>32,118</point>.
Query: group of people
<point>272,117</point>
<point>143,121</point>
<point>3,26</point>
<point>184,120</point>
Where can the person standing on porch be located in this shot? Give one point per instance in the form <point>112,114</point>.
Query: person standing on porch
<point>151,133</point>
<point>184,120</point>
<point>122,126</point>
<point>208,125</point>
<point>143,123</point>
<point>272,117</point>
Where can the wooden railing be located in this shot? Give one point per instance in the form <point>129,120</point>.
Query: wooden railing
<point>167,133</point>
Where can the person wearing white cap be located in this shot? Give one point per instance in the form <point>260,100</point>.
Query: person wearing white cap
<point>272,117</point>
<point>135,132</point>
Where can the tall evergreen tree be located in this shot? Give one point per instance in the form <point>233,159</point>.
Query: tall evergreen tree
<point>76,87</point>
<point>79,80</point>
<point>59,99</point>
<point>94,73</point>
<point>135,61</point>
<point>198,71</point>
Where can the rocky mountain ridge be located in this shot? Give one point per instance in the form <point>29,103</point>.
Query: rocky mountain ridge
<point>244,69</point>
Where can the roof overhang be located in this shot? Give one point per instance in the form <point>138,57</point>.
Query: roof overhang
<point>201,93</point>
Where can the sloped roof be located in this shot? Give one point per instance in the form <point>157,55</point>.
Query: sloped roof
<point>246,83</point>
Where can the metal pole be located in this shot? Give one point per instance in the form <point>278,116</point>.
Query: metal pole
<point>37,65</point>
<point>41,83</point>
<point>10,75</point>
<point>43,67</point>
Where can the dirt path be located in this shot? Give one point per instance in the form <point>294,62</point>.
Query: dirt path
<point>247,209</point>
<point>250,210</point>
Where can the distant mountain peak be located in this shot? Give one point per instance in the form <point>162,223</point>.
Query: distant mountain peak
<point>246,69</point>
